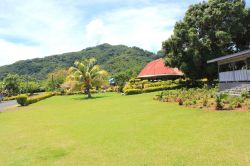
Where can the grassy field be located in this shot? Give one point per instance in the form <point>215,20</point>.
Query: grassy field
<point>116,130</point>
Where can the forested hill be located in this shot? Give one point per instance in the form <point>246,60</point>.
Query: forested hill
<point>114,59</point>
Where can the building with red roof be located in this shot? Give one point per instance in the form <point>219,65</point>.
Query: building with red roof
<point>157,70</point>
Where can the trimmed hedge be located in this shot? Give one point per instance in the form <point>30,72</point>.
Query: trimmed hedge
<point>132,91</point>
<point>153,89</point>
<point>35,99</point>
<point>159,86</point>
<point>24,100</point>
<point>81,92</point>
<point>10,98</point>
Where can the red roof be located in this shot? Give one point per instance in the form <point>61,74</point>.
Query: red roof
<point>158,68</point>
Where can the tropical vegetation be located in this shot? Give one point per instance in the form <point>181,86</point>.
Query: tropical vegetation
<point>87,74</point>
<point>114,59</point>
<point>209,30</point>
<point>205,98</point>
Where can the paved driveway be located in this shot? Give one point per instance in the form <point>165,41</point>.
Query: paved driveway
<point>7,104</point>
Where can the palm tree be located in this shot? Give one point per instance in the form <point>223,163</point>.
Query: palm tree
<point>88,73</point>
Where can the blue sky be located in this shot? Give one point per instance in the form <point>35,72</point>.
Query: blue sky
<point>38,28</point>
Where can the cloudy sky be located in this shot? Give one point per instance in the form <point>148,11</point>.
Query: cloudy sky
<point>38,28</point>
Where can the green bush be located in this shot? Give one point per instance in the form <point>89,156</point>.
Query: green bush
<point>180,101</point>
<point>205,102</point>
<point>244,94</point>
<point>132,91</point>
<point>248,104</point>
<point>159,96</point>
<point>231,106</point>
<point>22,100</point>
<point>219,104</point>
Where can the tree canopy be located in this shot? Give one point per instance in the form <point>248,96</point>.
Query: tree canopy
<point>209,30</point>
<point>11,84</point>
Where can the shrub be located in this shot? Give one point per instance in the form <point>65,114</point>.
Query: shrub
<point>187,103</point>
<point>248,104</point>
<point>180,101</point>
<point>22,100</point>
<point>219,104</point>
<point>205,102</point>
<point>132,91</point>
<point>232,106</point>
<point>236,102</point>
<point>244,94</point>
<point>194,101</point>
<point>159,96</point>
<point>112,89</point>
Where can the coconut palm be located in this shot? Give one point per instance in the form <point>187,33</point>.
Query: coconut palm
<point>88,73</point>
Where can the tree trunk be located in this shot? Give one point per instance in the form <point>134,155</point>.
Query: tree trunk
<point>88,91</point>
<point>89,94</point>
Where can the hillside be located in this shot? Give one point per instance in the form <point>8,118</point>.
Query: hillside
<point>114,59</point>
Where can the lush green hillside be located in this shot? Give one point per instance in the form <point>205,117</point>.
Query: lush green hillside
<point>114,59</point>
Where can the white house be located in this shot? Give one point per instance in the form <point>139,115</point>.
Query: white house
<point>234,70</point>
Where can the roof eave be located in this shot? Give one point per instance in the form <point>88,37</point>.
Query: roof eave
<point>159,75</point>
<point>229,56</point>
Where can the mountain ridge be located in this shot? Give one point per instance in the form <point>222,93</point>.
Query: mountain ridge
<point>113,58</point>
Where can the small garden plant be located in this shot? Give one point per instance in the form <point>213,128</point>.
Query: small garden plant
<point>205,98</point>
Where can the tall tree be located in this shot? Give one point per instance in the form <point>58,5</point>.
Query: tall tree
<point>88,73</point>
<point>209,30</point>
<point>11,84</point>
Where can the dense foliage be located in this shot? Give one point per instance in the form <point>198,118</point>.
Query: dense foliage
<point>121,78</point>
<point>11,83</point>
<point>209,30</point>
<point>114,59</point>
<point>56,79</point>
<point>14,84</point>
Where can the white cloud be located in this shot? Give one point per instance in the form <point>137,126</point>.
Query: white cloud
<point>10,52</point>
<point>35,28</point>
<point>144,27</point>
<point>52,28</point>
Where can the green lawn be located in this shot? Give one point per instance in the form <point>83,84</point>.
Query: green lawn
<point>116,130</point>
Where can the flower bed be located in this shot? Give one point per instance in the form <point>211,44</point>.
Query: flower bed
<point>204,98</point>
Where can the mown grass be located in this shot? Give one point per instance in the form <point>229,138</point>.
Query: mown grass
<point>122,130</point>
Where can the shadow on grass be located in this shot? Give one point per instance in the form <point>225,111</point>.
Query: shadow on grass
<point>86,97</point>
